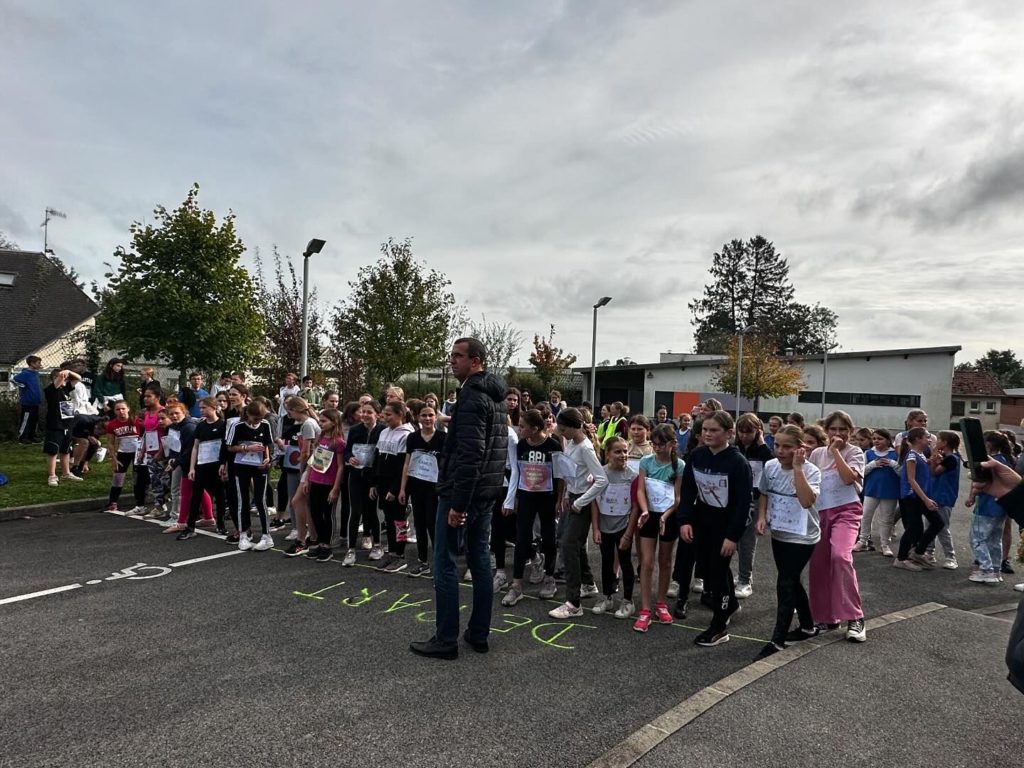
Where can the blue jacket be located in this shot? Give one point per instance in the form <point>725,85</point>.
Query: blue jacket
<point>30,392</point>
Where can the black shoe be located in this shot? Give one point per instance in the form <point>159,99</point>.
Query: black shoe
<point>480,646</point>
<point>312,549</point>
<point>768,650</point>
<point>185,535</point>
<point>826,627</point>
<point>712,636</point>
<point>232,538</point>
<point>1005,567</point>
<point>800,633</point>
<point>77,472</point>
<point>433,649</point>
<point>222,531</point>
<point>680,610</point>
<point>324,554</point>
<point>295,549</point>
<point>277,525</point>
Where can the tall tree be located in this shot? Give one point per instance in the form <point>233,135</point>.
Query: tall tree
<point>750,288</point>
<point>763,374</point>
<point>280,297</point>
<point>549,362</point>
<point>397,316</point>
<point>1003,364</point>
<point>180,292</point>
<point>502,341</point>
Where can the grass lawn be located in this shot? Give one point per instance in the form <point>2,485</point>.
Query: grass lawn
<point>25,467</point>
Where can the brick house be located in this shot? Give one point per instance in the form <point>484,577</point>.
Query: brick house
<point>978,394</point>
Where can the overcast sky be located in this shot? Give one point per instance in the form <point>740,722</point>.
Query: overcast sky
<point>544,154</point>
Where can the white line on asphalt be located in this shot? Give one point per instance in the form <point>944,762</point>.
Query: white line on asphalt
<point>32,595</point>
<point>208,557</point>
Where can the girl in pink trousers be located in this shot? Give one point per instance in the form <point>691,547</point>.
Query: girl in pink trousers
<point>834,593</point>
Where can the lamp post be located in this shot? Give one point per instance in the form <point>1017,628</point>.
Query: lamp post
<point>593,352</point>
<point>314,246</point>
<point>739,368</point>
<point>824,377</point>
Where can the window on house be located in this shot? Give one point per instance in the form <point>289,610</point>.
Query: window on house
<point>7,279</point>
<point>975,406</point>
<point>958,407</point>
<point>5,377</point>
<point>990,406</point>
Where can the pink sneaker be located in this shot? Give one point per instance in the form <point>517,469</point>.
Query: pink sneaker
<point>663,614</point>
<point>643,621</point>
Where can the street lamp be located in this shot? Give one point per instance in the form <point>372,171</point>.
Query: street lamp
<point>593,353</point>
<point>739,368</point>
<point>824,376</point>
<point>314,246</point>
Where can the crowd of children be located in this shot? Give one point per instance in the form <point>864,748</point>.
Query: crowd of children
<point>681,497</point>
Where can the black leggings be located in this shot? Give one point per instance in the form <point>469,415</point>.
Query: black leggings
<point>122,461</point>
<point>790,561</point>
<point>322,512</point>
<point>912,509</point>
<point>684,566</point>
<point>503,529</point>
<point>423,496</point>
<point>361,509</point>
<point>529,509</point>
<point>207,480</point>
<point>251,479</point>
<point>609,544</point>
<point>140,483</point>
<point>396,522</point>
<point>709,533</point>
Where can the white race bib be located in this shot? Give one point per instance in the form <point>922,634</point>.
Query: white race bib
<point>834,492</point>
<point>536,477</point>
<point>614,502</point>
<point>564,468</point>
<point>785,514</point>
<point>660,495</point>
<point>128,444</point>
<point>363,453</point>
<point>151,442</point>
<point>172,440</point>
<point>713,489</point>
<point>423,466</point>
<point>249,458</point>
<point>208,452</point>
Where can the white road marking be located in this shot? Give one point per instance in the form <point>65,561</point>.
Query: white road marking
<point>208,557</point>
<point>33,595</point>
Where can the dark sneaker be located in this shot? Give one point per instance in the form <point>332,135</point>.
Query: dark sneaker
<point>297,548</point>
<point>395,564</point>
<point>826,627</point>
<point>855,631</point>
<point>480,646</point>
<point>433,649</point>
<point>680,610</point>
<point>419,569</point>
<point>221,531</point>
<point>1005,567</point>
<point>324,554</point>
<point>232,538</point>
<point>185,535</point>
<point>312,549</point>
<point>712,636</point>
<point>278,525</point>
<point>800,633</point>
<point>768,650</point>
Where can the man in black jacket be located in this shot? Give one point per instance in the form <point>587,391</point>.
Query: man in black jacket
<point>1008,490</point>
<point>471,471</point>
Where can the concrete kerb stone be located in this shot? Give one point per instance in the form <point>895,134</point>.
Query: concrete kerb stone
<point>52,508</point>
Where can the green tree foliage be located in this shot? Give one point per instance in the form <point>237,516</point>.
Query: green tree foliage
<point>180,293</point>
<point>397,317</point>
<point>764,374</point>
<point>750,288</point>
<point>549,362</point>
<point>280,300</point>
<point>1003,364</point>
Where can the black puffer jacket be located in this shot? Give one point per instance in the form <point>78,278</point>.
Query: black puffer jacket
<point>472,463</point>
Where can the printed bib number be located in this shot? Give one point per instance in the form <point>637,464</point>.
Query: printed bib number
<point>536,477</point>
<point>614,502</point>
<point>660,495</point>
<point>785,515</point>
<point>67,409</point>
<point>363,453</point>
<point>249,458</point>
<point>423,466</point>
<point>208,452</point>
<point>321,459</point>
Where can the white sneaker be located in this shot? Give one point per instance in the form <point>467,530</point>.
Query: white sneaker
<point>950,564</point>
<point>548,588</point>
<point>377,553</point>
<point>744,590</point>
<point>136,512</point>
<point>566,611</point>
<point>155,513</point>
<point>292,535</point>
<point>350,559</point>
<point>245,542</point>
<point>589,590</point>
<point>697,586</point>
<point>603,606</point>
<point>673,589</point>
<point>886,551</point>
<point>513,596</point>
<point>73,478</point>
<point>52,481</point>
<point>625,610</point>
<point>1019,587</point>
<point>266,542</point>
<point>500,579</point>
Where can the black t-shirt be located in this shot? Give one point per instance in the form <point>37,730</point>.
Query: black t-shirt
<point>59,409</point>
<point>246,433</point>
<point>207,431</point>
<point>536,454</point>
<point>433,446</point>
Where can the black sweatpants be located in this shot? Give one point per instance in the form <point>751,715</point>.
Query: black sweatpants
<point>140,483</point>
<point>790,561</point>
<point>396,522</point>
<point>122,461</point>
<point>361,508</point>
<point>208,480</point>
<point>609,545</point>
<point>423,496</point>
<point>708,534</point>
<point>321,511</point>
<point>251,480</point>
<point>503,529</point>
<point>912,509</point>
<point>530,506</point>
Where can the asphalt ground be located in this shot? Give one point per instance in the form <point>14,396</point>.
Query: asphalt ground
<point>256,659</point>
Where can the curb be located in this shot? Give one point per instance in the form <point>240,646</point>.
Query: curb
<point>54,508</point>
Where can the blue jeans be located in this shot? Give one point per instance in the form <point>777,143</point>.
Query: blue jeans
<point>477,532</point>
